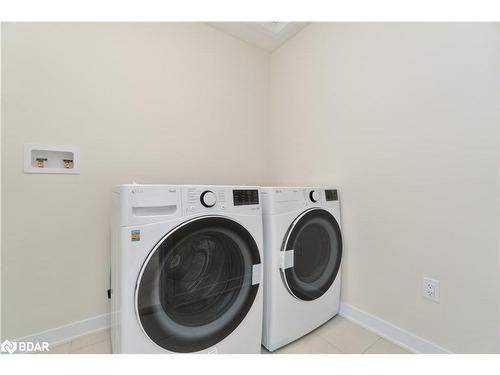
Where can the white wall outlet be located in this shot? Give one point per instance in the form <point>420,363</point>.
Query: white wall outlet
<point>430,289</point>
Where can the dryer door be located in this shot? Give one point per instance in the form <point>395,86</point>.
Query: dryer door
<point>311,254</point>
<point>197,284</point>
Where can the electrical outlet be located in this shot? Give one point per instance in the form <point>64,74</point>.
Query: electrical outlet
<point>430,289</point>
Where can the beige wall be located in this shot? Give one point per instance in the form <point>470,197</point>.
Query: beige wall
<point>154,103</point>
<point>405,118</point>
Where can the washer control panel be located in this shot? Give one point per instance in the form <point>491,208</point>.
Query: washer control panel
<point>212,198</point>
<point>331,195</point>
<point>245,197</point>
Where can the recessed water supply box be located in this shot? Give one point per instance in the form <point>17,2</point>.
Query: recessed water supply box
<point>51,159</point>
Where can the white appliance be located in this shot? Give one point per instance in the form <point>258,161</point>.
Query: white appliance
<point>302,257</point>
<point>186,269</point>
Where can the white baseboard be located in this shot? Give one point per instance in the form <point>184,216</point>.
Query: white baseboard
<point>70,331</point>
<point>390,332</point>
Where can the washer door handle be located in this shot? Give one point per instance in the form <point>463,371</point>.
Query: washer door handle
<point>287,259</point>
<point>256,273</point>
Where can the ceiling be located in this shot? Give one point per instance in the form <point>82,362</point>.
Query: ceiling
<point>266,35</point>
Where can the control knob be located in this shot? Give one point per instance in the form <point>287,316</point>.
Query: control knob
<point>208,198</point>
<point>314,196</point>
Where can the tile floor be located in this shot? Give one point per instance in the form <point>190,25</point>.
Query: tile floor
<point>341,336</point>
<point>338,336</point>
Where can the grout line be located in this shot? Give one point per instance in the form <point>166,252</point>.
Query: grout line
<point>329,343</point>
<point>377,340</point>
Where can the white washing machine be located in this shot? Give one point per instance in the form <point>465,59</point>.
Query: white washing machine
<point>302,257</point>
<point>186,269</point>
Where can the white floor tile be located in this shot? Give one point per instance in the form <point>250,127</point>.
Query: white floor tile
<point>309,344</point>
<point>91,339</point>
<point>103,347</point>
<point>347,336</point>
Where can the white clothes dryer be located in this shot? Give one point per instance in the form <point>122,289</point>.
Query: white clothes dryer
<point>302,257</point>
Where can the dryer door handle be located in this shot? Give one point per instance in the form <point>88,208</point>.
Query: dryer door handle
<point>286,259</point>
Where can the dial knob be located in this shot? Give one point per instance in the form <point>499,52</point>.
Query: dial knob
<point>208,198</point>
<point>314,196</point>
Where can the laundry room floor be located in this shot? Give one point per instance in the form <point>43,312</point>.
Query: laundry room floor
<point>338,336</point>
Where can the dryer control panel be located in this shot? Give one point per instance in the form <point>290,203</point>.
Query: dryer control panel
<point>286,199</point>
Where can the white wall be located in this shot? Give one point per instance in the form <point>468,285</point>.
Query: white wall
<point>405,118</point>
<point>154,103</point>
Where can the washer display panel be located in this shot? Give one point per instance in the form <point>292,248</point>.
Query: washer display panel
<point>316,241</point>
<point>196,286</point>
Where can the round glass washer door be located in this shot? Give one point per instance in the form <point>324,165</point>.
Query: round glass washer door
<point>316,241</point>
<point>196,285</point>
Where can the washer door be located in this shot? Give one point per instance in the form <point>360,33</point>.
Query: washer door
<point>196,285</point>
<point>311,254</point>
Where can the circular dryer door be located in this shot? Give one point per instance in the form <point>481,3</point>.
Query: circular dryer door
<point>311,254</point>
<point>196,285</point>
